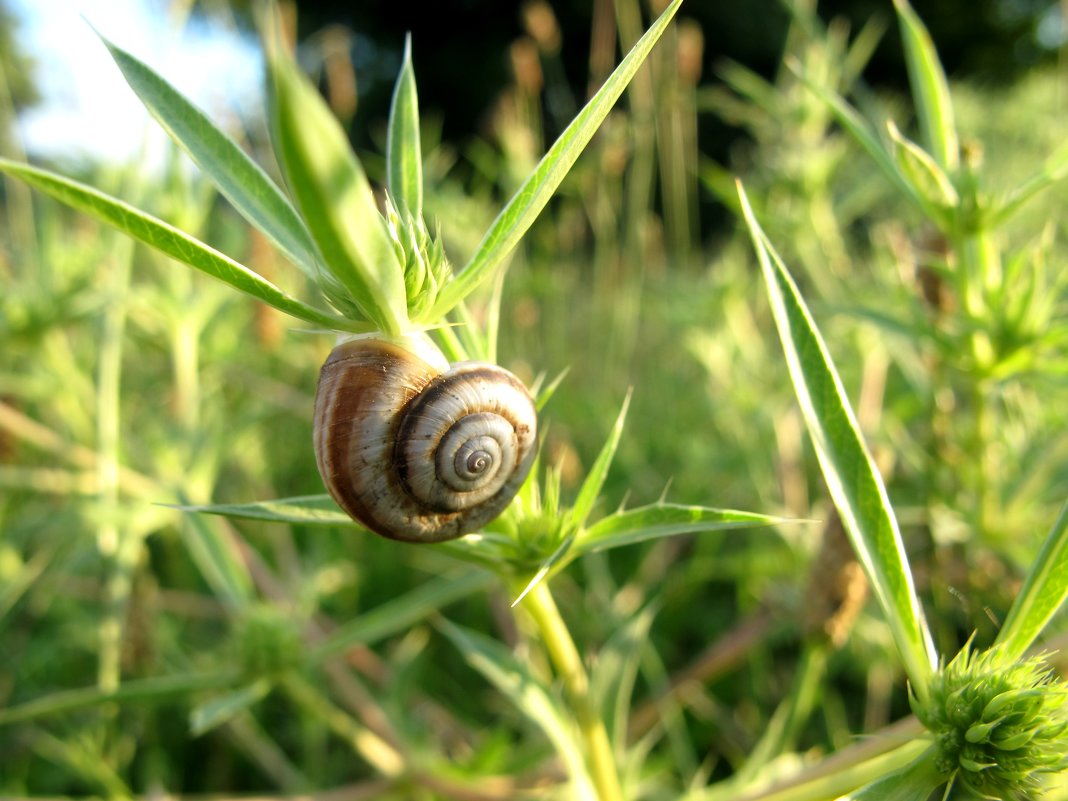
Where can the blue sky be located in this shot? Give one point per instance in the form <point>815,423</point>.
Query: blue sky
<point>87,109</point>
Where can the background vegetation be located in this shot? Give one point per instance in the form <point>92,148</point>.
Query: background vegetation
<point>127,384</point>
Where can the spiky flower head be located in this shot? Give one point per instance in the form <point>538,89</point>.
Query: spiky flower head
<point>997,727</point>
<point>425,267</point>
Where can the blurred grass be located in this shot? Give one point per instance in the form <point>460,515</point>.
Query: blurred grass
<point>211,395</point>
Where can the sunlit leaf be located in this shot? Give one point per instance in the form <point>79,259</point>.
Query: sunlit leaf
<point>238,177</point>
<point>661,520</point>
<point>334,196</point>
<point>172,242</point>
<point>404,158</point>
<point>852,478</point>
<point>930,89</point>
<point>530,199</point>
<point>928,181</point>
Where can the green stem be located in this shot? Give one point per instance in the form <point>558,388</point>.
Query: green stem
<point>568,663</point>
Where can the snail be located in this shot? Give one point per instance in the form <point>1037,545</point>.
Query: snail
<point>416,449</point>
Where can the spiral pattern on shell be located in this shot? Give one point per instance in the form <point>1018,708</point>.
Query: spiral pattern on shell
<point>417,454</point>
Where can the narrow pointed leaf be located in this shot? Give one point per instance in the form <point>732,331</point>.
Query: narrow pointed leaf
<point>226,707</point>
<point>318,510</point>
<point>928,180</point>
<point>334,197</point>
<point>172,242</point>
<point>530,199</point>
<point>512,678</point>
<point>852,478</point>
<point>591,487</point>
<point>1044,592</point>
<point>404,159</point>
<point>238,177</point>
<point>930,89</point>
<point>663,520</point>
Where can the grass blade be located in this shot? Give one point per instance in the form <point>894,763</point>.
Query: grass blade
<point>500,667</point>
<point>930,90</point>
<point>171,241</point>
<point>238,177</point>
<point>852,478</point>
<point>660,520</point>
<point>1043,594</point>
<point>404,156</point>
<point>530,199</point>
<point>334,197</point>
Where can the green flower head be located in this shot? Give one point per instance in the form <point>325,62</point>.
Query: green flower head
<point>997,727</point>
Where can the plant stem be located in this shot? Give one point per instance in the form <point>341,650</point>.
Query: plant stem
<point>568,663</point>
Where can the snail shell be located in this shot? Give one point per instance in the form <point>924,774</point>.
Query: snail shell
<point>415,452</point>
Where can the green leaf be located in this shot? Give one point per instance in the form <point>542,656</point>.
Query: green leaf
<point>224,708</point>
<point>238,177</point>
<point>314,510</point>
<point>530,199</point>
<point>660,520</point>
<point>852,478</point>
<point>401,613</point>
<point>930,90</point>
<point>928,181</point>
<point>172,242</point>
<point>1042,595</point>
<point>511,677</point>
<point>334,197</point>
<point>404,156</point>
<point>591,487</point>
